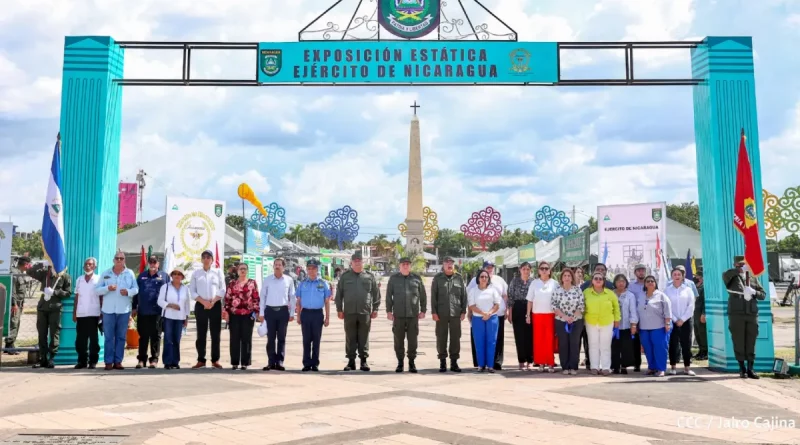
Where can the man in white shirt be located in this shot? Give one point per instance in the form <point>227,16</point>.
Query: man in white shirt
<point>502,287</point>
<point>207,289</point>
<point>277,304</point>
<point>86,315</point>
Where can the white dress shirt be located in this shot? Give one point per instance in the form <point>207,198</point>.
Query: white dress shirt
<point>502,288</point>
<point>207,284</point>
<point>169,295</point>
<point>541,295</point>
<point>88,299</point>
<point>277,292</point>
<point>682,301</point>
<point>484,299</point>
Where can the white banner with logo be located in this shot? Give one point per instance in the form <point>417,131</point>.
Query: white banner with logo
<point>194,226</point>
<point>631,234</point>
<point>6,231</point>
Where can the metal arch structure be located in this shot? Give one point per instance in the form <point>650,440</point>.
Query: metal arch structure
<point>724,101</point>
<point>188,49</point>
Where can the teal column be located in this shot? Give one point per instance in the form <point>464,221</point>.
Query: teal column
<point>91,116</point>
<point>724,103</point>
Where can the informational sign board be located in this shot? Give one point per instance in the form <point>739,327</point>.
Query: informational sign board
<point>267,265</point>
<point>527,253</point>
<point>408,61</point>
<point>575,248</point>
<point>5,280</point>
<point>631,234</point>
<point>6,230</point>
<point>195,225</point>
<point>257,242</point>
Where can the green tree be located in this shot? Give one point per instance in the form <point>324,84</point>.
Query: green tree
<point>686,213</point>
<point>418,263</point>
<point>515,238</point>
<point>32,246</point>
<point>235,221</point>
<point>789,244</point>
<point>450,243</point>
<point>592,224</point>
<point>772,245</point>
<point>126,227</point>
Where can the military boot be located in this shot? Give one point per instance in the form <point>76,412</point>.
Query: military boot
<point>454,366</point>
<point>399,366</point>
<point>351,365</point>
<point>742,370</point>
<point>364,365</point>
<point>750,373</point>
<point>412,368</point>
<point>443,365</point>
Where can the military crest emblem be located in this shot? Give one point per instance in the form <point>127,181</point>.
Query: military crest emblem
<point>520,61</point>
<point>750,216</point>
<point>271,61</point>
<point>657,215</point>
<point>218,208</point>
<point>409,19</point>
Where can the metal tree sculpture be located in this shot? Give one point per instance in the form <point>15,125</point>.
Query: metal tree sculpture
<point>483,227</point>
<point>790,210</point>
<point>274,223</point>
<point>772,214</point>
<point>430,229</point>
<point>551,223</point>
<point>341,225</point>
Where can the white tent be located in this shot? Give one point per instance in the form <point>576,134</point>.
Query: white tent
<point>153,233</point>
<point>680,239</point>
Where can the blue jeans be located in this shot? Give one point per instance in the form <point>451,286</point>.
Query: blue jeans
<point>485,334</point>
<point>656,344</point>
<point>173,329</point>
<point>115,329</point>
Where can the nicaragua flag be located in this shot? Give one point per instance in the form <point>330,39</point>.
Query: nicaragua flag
<point>53,221</point>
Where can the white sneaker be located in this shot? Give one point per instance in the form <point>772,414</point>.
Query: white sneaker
<point>689,372</point>
<point>573,372</point>
<point>672,371</point>
<point>565,372</point>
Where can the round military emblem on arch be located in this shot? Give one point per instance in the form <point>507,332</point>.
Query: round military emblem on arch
<point>409,19</point>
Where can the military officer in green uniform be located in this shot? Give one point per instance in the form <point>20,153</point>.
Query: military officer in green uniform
<point>448,308</point>
<point>23,287</point>
<point>743,300</point>
<point>55,288</point>
<point>406,304</point>
<point>699,318</point>
<point>357,301</point>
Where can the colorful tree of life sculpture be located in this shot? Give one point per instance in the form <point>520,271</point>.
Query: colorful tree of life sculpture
<point>551,223</point>
<point>483,227</point>
<point>772,215</point>
<point>274,223</point>
<point>790,210</point>
<point>341,225</point>
<point>430,229</point>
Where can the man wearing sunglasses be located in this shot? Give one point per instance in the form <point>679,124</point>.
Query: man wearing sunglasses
<point>117,286</point>
<point>148,313</point>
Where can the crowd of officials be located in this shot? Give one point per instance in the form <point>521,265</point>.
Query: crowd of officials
<point>613,320</point>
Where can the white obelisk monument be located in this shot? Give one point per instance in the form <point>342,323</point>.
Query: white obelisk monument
<point>414,221</point>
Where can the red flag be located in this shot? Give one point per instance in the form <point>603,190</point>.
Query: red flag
<point>216,255</point>
<point>143,262</point>
<point>745,218</point>
<point>658,253</point>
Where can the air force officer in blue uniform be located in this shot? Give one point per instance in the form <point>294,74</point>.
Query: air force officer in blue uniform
<point>313,294</point>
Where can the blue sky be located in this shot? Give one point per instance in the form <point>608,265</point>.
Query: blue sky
<point>316,149</point>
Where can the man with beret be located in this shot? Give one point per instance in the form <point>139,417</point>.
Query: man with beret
<point>448,308</point>
<point>406,304</point>
<point>313,294</point>
<point>743,295</point>
<point>24,286</point>
<point>358,299</point>
<point>56,288</point>
<point>699,319</point>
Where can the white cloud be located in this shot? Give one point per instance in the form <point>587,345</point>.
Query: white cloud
<point>289,127</point>
<point>254,179</point>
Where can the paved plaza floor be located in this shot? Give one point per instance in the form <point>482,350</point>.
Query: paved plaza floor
<point>190,407</point>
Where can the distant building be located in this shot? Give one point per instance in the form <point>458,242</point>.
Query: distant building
<point>128,198</point>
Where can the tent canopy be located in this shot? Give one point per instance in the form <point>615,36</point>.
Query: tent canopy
<point>153,233</point>
<point>680,239</point>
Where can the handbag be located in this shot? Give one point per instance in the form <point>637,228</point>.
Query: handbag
<point>160,321</point>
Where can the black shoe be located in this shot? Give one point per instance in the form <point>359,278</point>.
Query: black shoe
<point>454,366</point>
<point>176,366</point>
<point>637,369</point>
<point>351,366</point>
<point>80,366</point>
<point>50,365</point>
<point>399,367</point>
<point>364,366</point>
<point>314,369</point>
<point>752,375</point>
<point>266,368</point>
<point>39,365</point>
<point>168,367</point>
<point>244,368</point>
<point>412,368</point>
<point>279,368</point>
<point>497,367</point>
<point>616,371</point>
<point>742,370</point>
<point>235,367</point>
<point>92,365</point>
<point>442,365</point>
<point>306,368</point>
<point>624,371</point>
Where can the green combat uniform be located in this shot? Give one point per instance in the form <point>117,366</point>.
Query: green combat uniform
<point>700,332</point>
<point>405,300</point>
<point>357,296</point>
<point>743,318</point>
<point>48,313</point>
<point>449,303</point>
<point>23,287</point>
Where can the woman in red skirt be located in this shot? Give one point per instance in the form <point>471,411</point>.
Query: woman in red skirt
<point>539,299</point>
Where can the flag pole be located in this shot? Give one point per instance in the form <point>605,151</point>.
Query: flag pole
<point>244,229</point>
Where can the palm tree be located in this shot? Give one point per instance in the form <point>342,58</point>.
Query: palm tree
<point>417,260</point>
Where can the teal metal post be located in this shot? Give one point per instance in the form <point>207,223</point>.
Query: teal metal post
<point>91,117</point>
<point>724,104</point>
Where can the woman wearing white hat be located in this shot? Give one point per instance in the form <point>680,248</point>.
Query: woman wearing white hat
<point>173,298</point>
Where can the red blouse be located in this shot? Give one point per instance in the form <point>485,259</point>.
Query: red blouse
<point>241,298</point>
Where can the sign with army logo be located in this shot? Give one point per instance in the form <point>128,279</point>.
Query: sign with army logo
<point>657,215</point>
<point>409,19</point>
<point>271,61</point>
<point>193,226</point>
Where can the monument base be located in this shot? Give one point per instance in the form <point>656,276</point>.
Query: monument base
<point>415,236</point>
